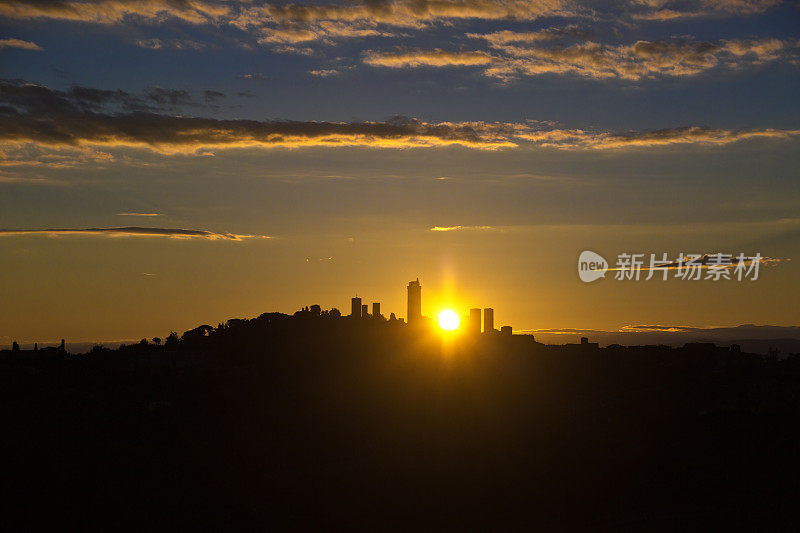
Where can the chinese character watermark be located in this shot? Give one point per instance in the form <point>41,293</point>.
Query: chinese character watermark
<point>688,267</point>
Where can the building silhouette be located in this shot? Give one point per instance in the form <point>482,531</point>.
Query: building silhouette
<point>376,309</point>
<point>414,301</point>
<point>474,321</point>
<point>364,311</point>
<point>505,330</point>
<point>355,307</point>
<point>488,319</point>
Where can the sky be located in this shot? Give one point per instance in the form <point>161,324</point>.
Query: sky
<point>169,164</point>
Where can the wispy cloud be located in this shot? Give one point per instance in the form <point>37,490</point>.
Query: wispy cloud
<point>462,228</point>
<point>138,214</point>
<point>131,231</point>
<point>37,116</point>
<point>668,10</point>
<point>409,13</point>
<point>255,76</point>
<point>325,73</point>
<point>20,44</point>
<point>78,98</point>
<point>114,11</point>
<point>518,55</point>
<point>703,135</point>
<point>329,21</point>
<point>426,58</point>
<point>547,34</point>
<point>175,44</point>
<point>752,338</point>
<point>327,33</point>
<point>27,154</point>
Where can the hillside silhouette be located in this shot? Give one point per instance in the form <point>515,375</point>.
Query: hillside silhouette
<point>318,420</point>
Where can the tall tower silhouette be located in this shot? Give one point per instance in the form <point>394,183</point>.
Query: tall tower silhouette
<point>414,301</point>
<point>488,319</point>
<point>355,307</point>
<point>474,324</point>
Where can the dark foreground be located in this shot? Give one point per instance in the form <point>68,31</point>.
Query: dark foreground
<point>292,423</point>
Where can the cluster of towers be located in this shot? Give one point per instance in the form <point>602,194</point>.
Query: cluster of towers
<point>414,312</point>
<point>359,310</point>
<point>474,320</point>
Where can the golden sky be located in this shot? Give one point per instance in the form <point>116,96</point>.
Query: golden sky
<point>164,165</point>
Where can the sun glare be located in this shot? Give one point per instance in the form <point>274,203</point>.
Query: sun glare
<point>449,320</point>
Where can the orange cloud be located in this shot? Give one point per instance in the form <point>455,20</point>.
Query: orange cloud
<point>113,11</point>
<point>640,60</point>
<point>414,12</point>
<point>131,231</point>
<point>20,44</point>
<point>666,10</point>
<point>426,58</point>
<point>461,228</point>
<point>548,34</point>
<point>48,127</point>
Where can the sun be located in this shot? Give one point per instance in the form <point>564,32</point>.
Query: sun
<point>449,320</point>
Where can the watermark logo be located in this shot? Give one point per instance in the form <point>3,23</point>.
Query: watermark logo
<point>591,266</point>
<point>691,267</point>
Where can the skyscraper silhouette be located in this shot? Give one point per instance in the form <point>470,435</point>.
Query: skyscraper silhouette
<point>364,313</point>
<point>488,319</point>
<point>376,309</point>
<point>414,301</point>
<point>355,307</point>
<point>474,324</point>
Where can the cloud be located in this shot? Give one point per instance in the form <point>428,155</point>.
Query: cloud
<point>295,50</point>
<point>634,62</point>
<point>749,330</point>
<point>169,98</point>
<point>10,177</point>
<point>14,154</point>
<point>212,97</point>
<point>326,32</point>
<point>255,76</point>
<point>667,136</point>
<point>287,22</point>
<point>325,73</point>
<point>547,34</point>
<point>35,115</point>
<point>290,24</point>
<point>138,214</point>
<point>668,10</point>
<point>131,231</point>
<point>426,58</point>
<point>114,11</point>
<point>410,13</point>
<point>42,99</point>
<point>20,44</point>
<point>462,228</point>
<point>751,338</point>
<point>175,44</point>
